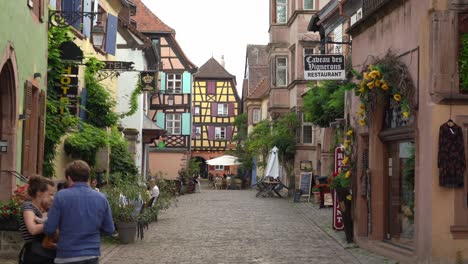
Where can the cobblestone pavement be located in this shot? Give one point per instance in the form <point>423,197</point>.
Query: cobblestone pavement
<point>227,226</point>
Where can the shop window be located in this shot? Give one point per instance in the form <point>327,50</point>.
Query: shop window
<point>174,83</point>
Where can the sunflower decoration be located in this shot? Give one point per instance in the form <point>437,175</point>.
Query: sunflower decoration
<point>374,79</point>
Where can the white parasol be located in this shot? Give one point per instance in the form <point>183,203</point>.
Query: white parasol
<point>273,167</point>
<point>225,160</point>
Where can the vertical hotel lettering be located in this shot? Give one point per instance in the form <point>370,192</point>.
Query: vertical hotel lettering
<point>68,89</point>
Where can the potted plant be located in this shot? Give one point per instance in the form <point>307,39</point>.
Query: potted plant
<point>10,211</point>
<point>316,193</point>
<point>126,199</point>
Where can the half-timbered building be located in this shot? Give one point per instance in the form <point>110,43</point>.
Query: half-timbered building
<point>169,107</point>
<point>215,105</point>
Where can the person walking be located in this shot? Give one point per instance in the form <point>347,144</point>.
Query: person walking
<point>81,215</point>
<point>33,213</point>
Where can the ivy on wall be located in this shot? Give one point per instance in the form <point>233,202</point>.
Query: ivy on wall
<point>121,161</point>
<point>463,62</point>
<point>57,124</point>
<point>134,100</point>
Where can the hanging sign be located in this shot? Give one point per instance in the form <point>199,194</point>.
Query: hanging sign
<point>118,65</point>
<point>324,67</point>
<point>67,88</point>
<point>148,80</point>
<point>338,223</point>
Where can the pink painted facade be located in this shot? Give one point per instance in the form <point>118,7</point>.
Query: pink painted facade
<point>425,35</point>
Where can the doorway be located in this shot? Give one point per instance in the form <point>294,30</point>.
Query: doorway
<point>400,190</point>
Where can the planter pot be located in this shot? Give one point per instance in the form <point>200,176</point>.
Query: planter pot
<point>127,232</point>
<point>9,224</point>
<point>316,197</point>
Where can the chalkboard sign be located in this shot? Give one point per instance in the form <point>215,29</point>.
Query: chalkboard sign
<point>306,184</point>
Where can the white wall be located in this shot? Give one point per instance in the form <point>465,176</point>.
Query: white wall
<point>126,85</point>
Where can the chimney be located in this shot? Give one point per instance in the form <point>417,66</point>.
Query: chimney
<point>222,62</point>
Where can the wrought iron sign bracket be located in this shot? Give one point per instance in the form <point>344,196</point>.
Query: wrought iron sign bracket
<point>62,19</point>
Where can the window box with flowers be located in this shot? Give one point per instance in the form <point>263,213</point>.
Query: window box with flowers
<point>10,211</point>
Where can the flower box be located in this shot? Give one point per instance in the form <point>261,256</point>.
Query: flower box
<point>9,224</point>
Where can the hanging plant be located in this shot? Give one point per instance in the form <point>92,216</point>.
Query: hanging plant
<point>385,78</point>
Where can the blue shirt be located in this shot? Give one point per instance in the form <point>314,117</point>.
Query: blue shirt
<point>80,214</point>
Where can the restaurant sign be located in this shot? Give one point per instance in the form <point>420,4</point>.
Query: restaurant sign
<point>324,67</point>
<point>67,88</point>
<point>338,222</point>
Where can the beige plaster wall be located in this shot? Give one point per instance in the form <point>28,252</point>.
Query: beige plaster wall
<point>166,163</point>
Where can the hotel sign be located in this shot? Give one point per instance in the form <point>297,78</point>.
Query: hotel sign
<point>324,67</point>
<point>67,89</point>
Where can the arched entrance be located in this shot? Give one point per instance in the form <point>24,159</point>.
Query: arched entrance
<point>8,121</point>
<point>203,166</point>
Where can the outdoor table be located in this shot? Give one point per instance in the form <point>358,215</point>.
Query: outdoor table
<point>270,188</point>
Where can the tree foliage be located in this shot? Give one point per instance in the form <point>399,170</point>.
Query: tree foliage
<point>324,103</point>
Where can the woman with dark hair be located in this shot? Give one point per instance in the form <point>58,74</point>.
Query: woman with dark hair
<point>34,213</point>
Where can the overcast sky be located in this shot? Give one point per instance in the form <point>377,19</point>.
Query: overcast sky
<point>211,28</point>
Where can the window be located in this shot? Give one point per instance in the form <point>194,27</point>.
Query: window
<point>196,110</point>
<point>220,133</point>
<point>281,71</point>
<point>219,167</point>
<point>173,124</point>
<point>222,109</point>
<point>198,132</point>
<point>309,4</point>
<point>281,11</point>
<point>174,83</point>
<point>256,116</point>
<point>307,134</point>
<point>338,37</point>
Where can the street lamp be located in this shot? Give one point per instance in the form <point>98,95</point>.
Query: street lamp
<point>98,36</point>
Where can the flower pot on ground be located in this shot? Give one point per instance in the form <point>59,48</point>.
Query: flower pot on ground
<point>126,199</point>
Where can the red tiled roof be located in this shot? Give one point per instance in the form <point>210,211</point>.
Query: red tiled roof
<point>148,22</point>
<point>212,69</point>
<point>260,90</point>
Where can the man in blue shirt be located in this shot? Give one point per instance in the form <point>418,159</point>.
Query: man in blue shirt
<point>81,215</point>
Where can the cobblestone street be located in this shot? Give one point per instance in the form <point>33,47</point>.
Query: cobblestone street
<point>224,226</point>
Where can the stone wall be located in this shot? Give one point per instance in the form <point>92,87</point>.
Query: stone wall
<point>10,244</point>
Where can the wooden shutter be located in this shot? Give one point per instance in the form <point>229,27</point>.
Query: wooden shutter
<point>160,120</point>
<point>84,98</point>
<point>443,51</point>
<point>231,109</point>
<point>27,99</point>
<point>41,129</point>
<point>73,6</point>
<point>186,123</point>
<point>186,83</point>
<point>163,81</point>
<point>214,109</point>
<point>229,132</point>
<point>111,34</point>
<point>87,20</point>
<point>211,87</point>
<point>211,133</point>
<point>26,142</point>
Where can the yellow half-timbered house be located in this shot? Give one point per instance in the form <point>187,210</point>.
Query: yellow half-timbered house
<point>215,105</point>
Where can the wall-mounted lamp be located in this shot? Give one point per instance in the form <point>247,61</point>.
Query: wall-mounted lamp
<point>37,75</point>
<point>170,100</point>
<point>3,146</point>
<point>98,36</point>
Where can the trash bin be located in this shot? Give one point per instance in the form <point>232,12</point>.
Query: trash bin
<point>297,195</point>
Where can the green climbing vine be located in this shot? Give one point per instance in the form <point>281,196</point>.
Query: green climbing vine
<point>57,124</point>
<point>463,61</point>
<point>134,100</point>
